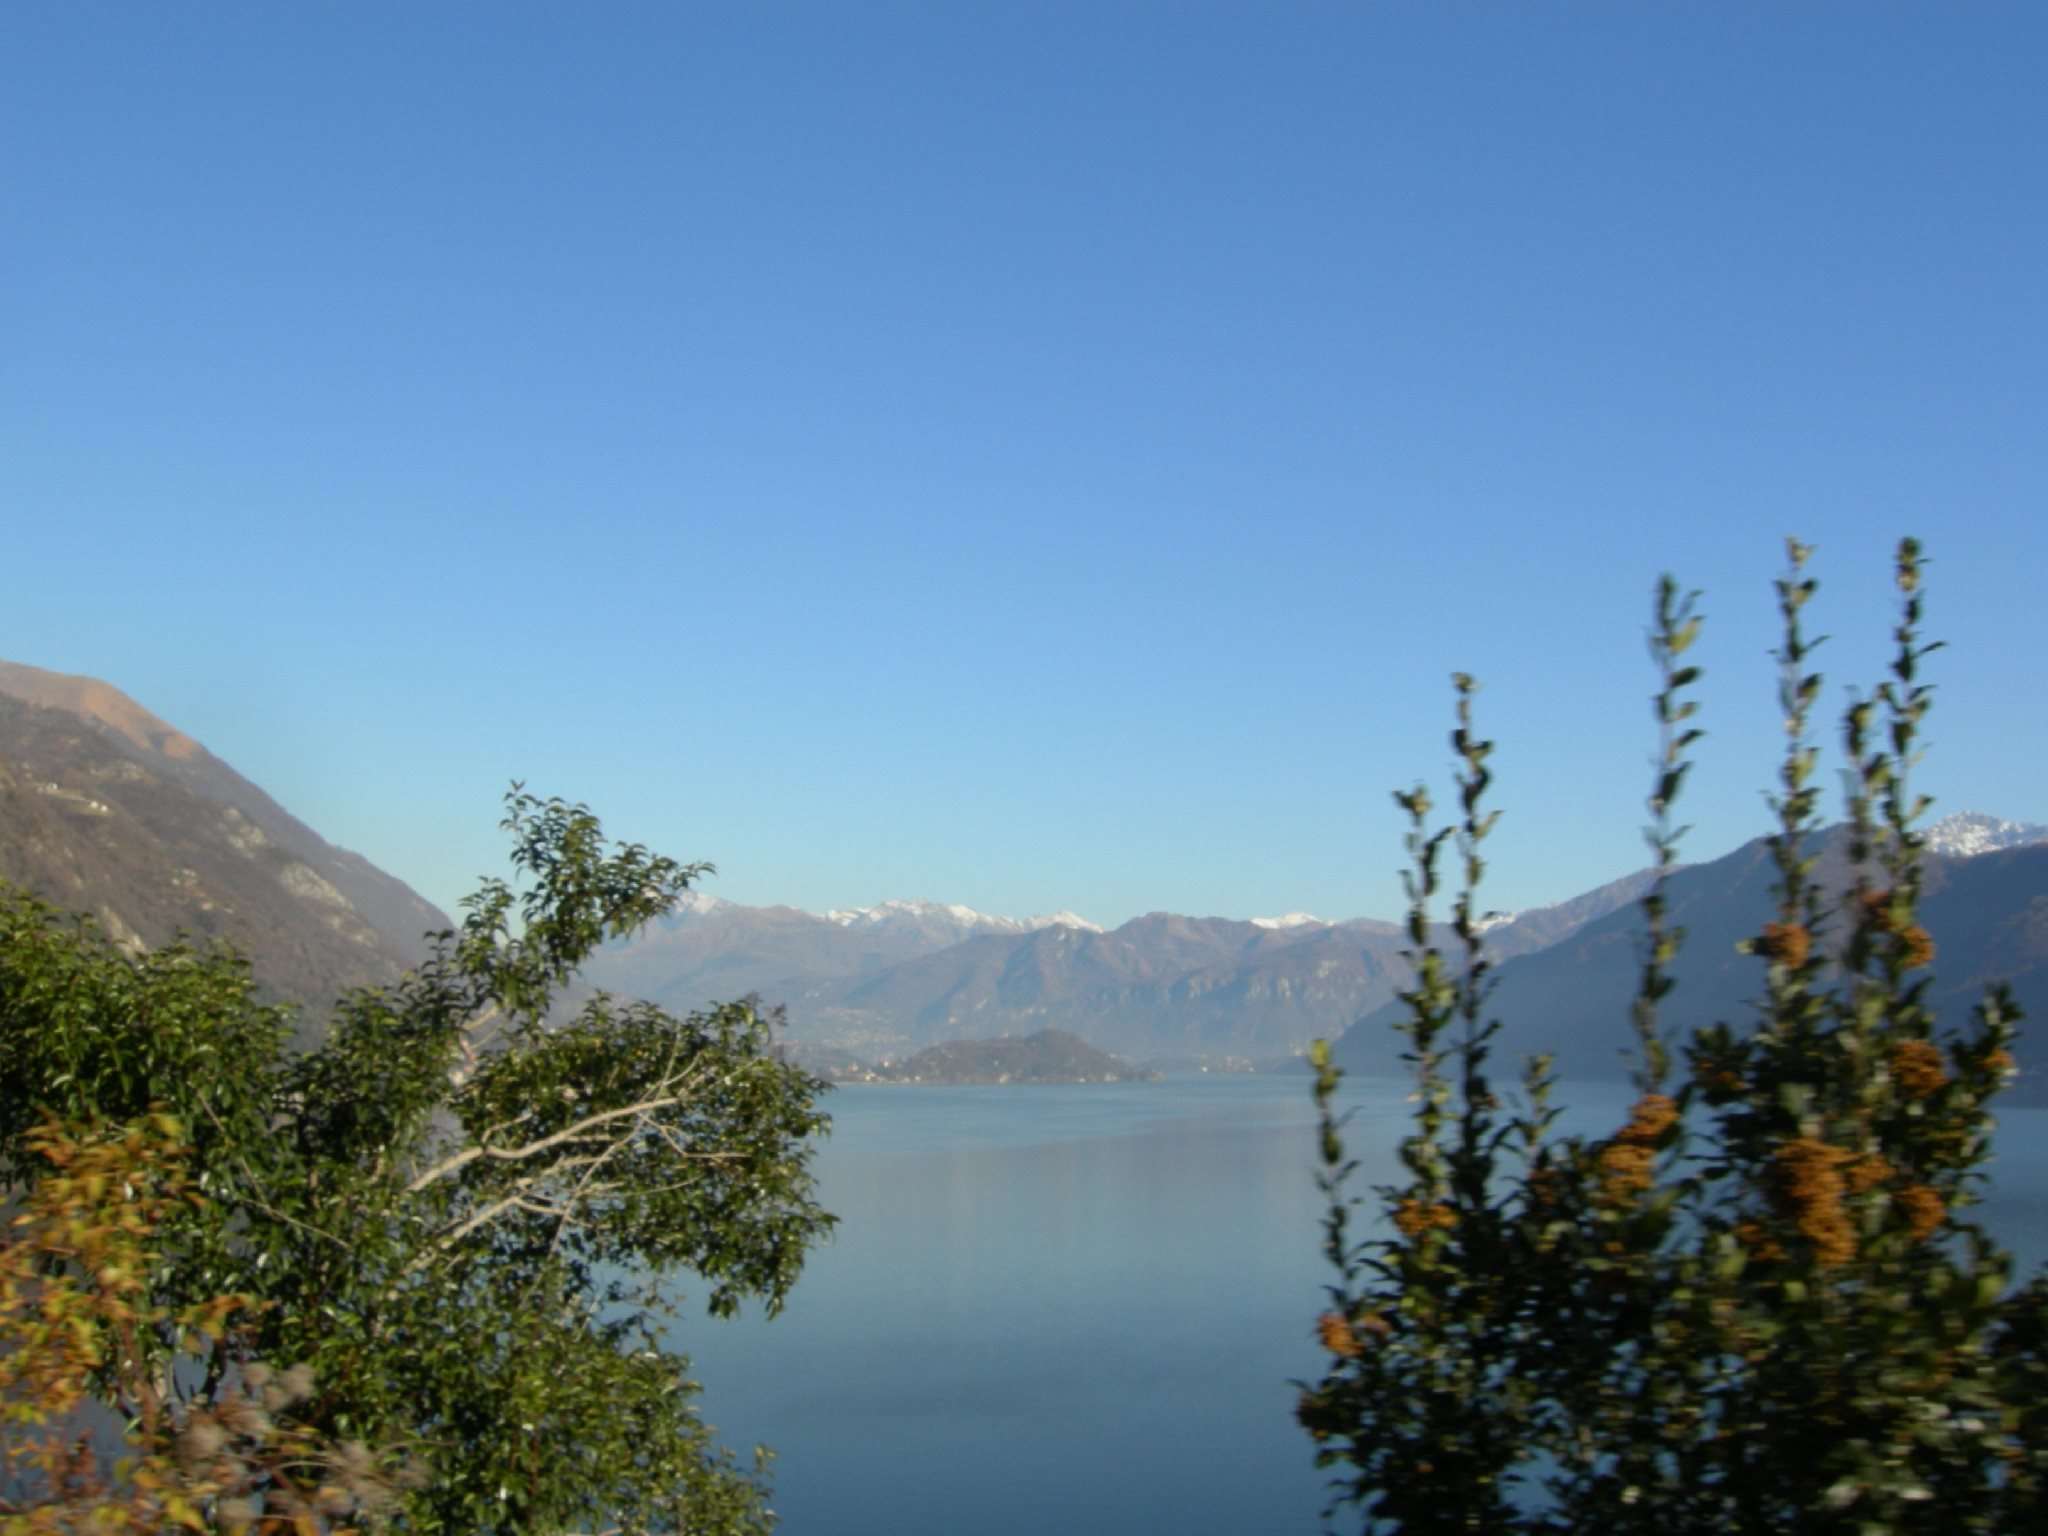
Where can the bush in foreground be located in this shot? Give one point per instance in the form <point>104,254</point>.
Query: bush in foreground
<point>1757,1306</point>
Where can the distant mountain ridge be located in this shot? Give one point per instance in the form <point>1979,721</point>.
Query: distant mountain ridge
<point>1987,910</point>
<point>908,974</point>
<point>107,809</point>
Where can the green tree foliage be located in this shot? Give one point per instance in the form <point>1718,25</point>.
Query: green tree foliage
<point>1759,1305</point>
<point>464,1221</point>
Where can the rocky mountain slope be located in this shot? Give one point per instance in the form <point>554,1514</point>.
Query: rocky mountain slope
<point>106,809</point>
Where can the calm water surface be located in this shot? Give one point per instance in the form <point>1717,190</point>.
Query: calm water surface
<point>1078,1309</point>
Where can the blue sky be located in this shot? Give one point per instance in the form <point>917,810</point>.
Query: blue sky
<point>1034,455</point>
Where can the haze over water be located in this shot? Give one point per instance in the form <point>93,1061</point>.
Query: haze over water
<point>1078,1309</point>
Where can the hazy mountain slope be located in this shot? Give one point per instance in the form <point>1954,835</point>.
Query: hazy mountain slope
<point>1989,916</point>
<point>104,808</point>
<point>1159,984</point>
<point>1540,927</point>
<point>715,951</point>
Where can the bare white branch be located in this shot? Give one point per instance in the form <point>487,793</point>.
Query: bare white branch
<point>579,1131</point>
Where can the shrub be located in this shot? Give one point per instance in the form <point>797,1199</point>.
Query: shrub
<point>1759,1304</point>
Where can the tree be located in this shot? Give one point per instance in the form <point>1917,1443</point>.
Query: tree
<point>1757,1306</point>
<point>465,1222</point>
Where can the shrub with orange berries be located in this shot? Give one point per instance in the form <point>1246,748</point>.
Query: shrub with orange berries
<point>1758,1307</point>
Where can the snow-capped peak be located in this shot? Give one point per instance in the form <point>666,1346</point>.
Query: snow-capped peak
<point>883,911</point>
<point>698,903</point>
<point>1965,834</point>
<point>954,915</point>
<point>1291,920</point>
<point>1062,919</point>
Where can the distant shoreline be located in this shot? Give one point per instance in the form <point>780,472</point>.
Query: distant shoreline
<point>1048,1058</point>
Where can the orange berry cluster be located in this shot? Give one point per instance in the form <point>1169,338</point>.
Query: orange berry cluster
<point>1414,1218</point>
<point>1917,1067</point>
<point>1627,1162</point>
<point>1786,943</point>
<point>1810,1175</point>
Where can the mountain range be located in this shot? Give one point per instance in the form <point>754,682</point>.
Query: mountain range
<point>1171,987</point>
<point>909,974</point>
<point>106,809</point>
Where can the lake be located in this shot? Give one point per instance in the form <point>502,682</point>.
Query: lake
<point>1078,1309</point>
